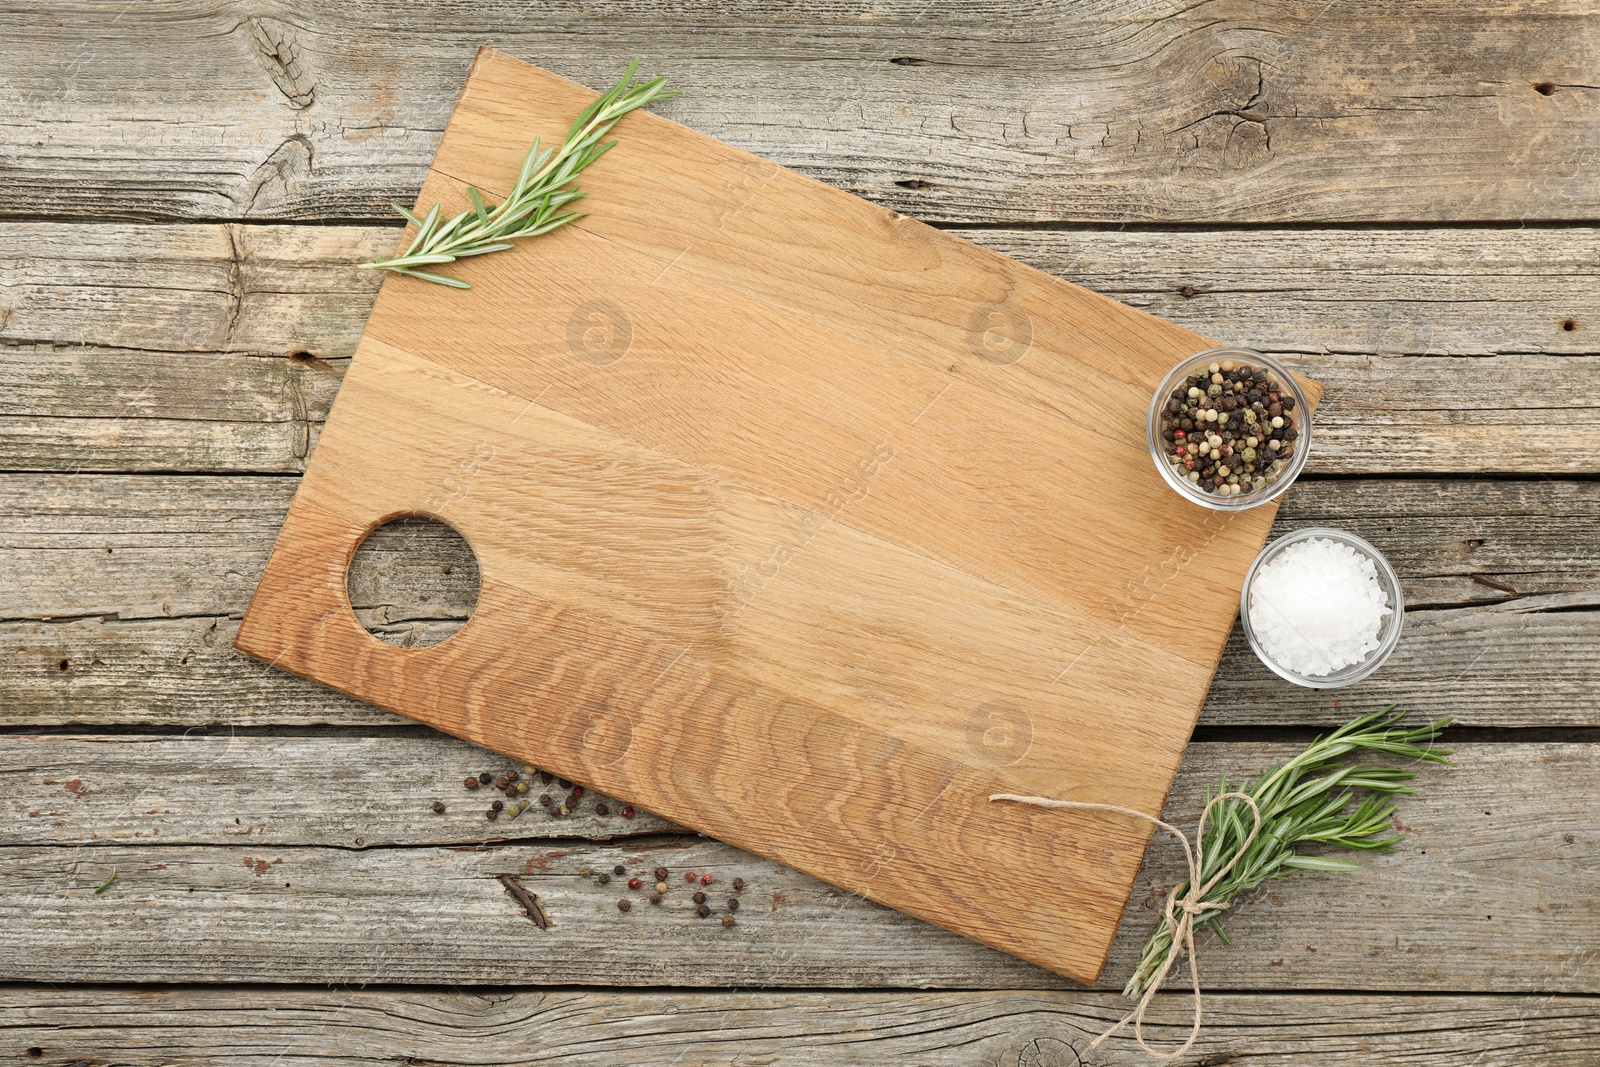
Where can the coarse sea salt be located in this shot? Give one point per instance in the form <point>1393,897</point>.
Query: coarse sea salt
<point>1318,607</point>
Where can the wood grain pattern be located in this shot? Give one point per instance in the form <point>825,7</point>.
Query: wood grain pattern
<point>137,582</point>
<point>309,1027</point>
<point>729,512</point>
<point>378,884</point>
<point>166,348</point>
<point>1011,110</point>
<point>211,289</point>
<point>161,349</point>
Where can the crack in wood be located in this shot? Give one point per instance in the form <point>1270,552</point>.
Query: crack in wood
<point>292,160</point>
<point>291,73</point>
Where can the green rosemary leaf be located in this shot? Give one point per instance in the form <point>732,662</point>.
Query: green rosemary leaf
<point>420,261</point>
<point>423,228</point>
<point>553,224</point>
<point>1305,801</point>
<point>1320,863</point>
<point>543,187</point>
<point>499,246</point>
<point>441,279</point>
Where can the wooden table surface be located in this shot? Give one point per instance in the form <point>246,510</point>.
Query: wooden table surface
<point>1399,198</point>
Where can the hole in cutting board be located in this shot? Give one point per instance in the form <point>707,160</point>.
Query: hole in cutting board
<point>413,582</point>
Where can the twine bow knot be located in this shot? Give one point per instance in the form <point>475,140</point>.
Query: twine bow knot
<point>1180,912</point>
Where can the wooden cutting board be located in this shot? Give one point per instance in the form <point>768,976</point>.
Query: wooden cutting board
<point>798,521</point>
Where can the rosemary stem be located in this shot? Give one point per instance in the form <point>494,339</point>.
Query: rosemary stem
<point>1299,805</point>
<point>533,207</point>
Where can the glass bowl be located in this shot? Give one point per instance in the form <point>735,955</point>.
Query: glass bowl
<point>1388,636</point>
<point>1174,474</point>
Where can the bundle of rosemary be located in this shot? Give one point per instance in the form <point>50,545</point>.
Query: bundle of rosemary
<point>1306,801</point>
<point>542,189</point>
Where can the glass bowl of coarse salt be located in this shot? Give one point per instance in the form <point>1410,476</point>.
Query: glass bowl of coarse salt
<point>1322,607</point>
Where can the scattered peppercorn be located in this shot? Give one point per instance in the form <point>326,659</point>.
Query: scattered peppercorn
<point>563,783</point>
<point>702,911</point>
<point>661,887</point>
<point>602,810</point>
<point>438,807</point>
<point>471,783</point>
<point>491,815</point>
<point>571,801</point>
<point>624,904</point>
<point>485,778</point>
<point>497,805</point>
<point>604,878</point>
<point>586,870</point>
<point>706,879</point>
<point>546,777</point>
<point>619,869</point>
<point>733,903</point>
<point>655,898</point>
<point>738,885</point>
<point>501,782</point>
<point>699,897</point>
<point>728,920</point>
<point>661,874</point>
<point>522,788</point>
<point>627,812</point>
<point>577,790</point>
<point>689,876</point>
<point>544,800</point>
<point>634,883</point>
<point>512,776</point>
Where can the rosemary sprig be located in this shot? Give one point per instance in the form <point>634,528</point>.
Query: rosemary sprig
<point>1300,804</point>
<point>543,188</point>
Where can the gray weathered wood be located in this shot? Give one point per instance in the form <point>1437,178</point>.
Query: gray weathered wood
<point>119,597</point>
<point>230,789</point>
<point>142,411</point>
<point>1486,666</point>
<point>1501,852</point>
<point>209,289</point>
<point>140,547</point>
<point>1108,110</point>
<point>354,1027</point>
<point>211,347</point>
<point>164,347</point>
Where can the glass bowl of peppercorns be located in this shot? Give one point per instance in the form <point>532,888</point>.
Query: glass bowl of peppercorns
<point>1229,428</point>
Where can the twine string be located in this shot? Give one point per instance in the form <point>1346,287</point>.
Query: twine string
<point>1179,914</point>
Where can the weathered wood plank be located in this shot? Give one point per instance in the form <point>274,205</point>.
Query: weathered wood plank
<point>341,790</point>
<point>1487,666</point>
<point>139,547</point>
<point>1378,292</point>
<point>204,290</point>
<point>162,347</point>
<point>119,598</point>
<point>94,408</point>
<point>1104,111</point>
<point>265,1027</point>
<point>1522,875</point>
<point>1511,414</point>
<point>209,289</point>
